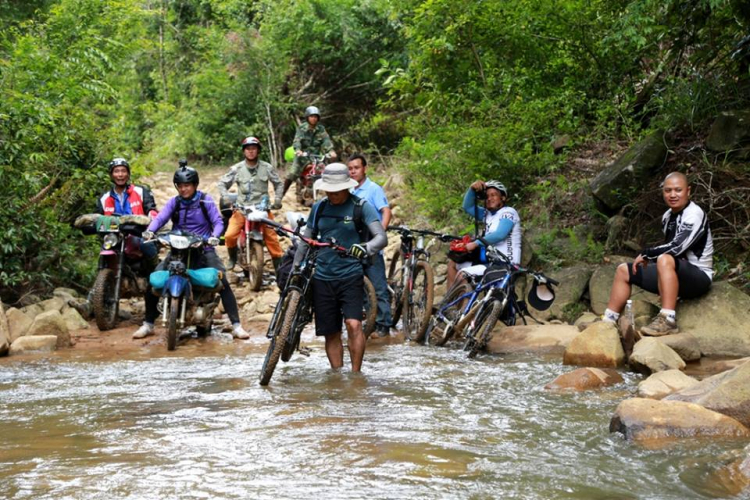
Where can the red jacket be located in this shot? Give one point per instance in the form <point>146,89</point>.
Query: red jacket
<point>140,199</point>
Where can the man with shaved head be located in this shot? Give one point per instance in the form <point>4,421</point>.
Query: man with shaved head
<point>681,267</point>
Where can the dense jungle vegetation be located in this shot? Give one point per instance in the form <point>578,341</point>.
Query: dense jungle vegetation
<point>446,91</point>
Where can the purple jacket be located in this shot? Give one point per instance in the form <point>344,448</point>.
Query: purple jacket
<point>191,217</point>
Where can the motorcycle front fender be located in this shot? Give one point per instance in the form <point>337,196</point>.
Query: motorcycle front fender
<point>177,285</point>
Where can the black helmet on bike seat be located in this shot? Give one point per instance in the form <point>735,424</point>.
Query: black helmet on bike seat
<point>251,141</point>
<point>312,110</point>
<point>118,162</point>
<point>496,185</point>
<point>185,175</point>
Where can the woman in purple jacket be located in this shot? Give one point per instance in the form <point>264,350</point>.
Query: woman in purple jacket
<point>196,212</point>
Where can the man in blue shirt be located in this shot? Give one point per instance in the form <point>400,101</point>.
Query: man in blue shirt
<point>375,269</point>
<point>338,281</point>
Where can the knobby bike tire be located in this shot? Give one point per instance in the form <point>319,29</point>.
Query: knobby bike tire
<point>440,334</point>
<point>104,306</point>
<point>418,307</point>
<point>292,340</point>
<point>370,308</point>
<point>484,325</point>
<point>279,340</point>
<point>255,265</point>
<point>174,311</point>
<point>395,282</point>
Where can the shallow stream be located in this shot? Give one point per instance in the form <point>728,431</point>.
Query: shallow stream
<point>421,423</point>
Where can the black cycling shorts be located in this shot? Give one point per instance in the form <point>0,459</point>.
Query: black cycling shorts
<point>693,281</point>
<point>335,300</point>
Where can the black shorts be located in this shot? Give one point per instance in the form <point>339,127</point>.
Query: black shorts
<point>336,300</point>
<point>693,281</point>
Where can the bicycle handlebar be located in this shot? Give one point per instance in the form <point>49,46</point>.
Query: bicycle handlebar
<point>405,231</point>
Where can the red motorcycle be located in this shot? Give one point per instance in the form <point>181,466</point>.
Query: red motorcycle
<point>250,242</point>
<point>312,172</point>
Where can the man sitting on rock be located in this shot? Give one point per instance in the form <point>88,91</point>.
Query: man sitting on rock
<point>684,263</point>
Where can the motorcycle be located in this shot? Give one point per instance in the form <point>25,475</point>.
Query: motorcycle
<point>188,296</point>
<point>310,173</point>
<point>250,242</point>
<point>122,271</point>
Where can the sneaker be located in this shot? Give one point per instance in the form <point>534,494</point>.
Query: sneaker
<point>145,330</point>
<point>380,333</point>
<point>659,326</point>
<point>239,333</point>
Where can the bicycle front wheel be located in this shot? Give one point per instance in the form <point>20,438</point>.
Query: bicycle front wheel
<point>282,330</point>
<point>486,320</point>
<point>418,305</point>
<point>441,332</point>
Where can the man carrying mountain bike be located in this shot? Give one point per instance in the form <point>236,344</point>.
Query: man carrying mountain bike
<point>501,228</point>
<point>375,268</point>
<point>338,281</point>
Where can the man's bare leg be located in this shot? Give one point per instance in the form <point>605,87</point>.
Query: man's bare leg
<point>669,284</point>
<point>356,343</point>
<point>335,350</point>
<point>621,289</point>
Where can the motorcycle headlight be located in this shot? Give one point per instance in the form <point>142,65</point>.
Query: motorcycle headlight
<point>196,244</point>
<point>178,242</point>
<point>110,241</point>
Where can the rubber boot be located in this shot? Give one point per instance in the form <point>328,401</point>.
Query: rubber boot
<point>276,264</point>
<point>232,258</point>
<point>287,183</point>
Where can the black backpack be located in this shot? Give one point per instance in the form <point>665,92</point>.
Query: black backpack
<point>178,206</point>
<point>357,217</point>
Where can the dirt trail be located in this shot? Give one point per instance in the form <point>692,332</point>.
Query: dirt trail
<point>255,307</point>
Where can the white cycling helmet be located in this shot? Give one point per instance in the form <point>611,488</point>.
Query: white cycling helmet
<point>496,185</point>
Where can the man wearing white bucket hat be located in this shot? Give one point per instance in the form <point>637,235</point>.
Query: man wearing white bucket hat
<point>338,281</point>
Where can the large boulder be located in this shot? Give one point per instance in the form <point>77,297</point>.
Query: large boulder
<point>684,344</point>
<point>718,320</point>
<point>65,294</point>
<point>73,320</point>
<point>619,181</point>
<point>583,379</point>
<point>33,343</point>
<point>18,322</point>
<point>32,310</point>
<point>531,338</point>
<point>598,346</point>
<point>650,356</point>
<point>662,384</point>
<point>51,323</point>
<point>727,393</point>
<point>600,284</point>
<point>729,132</point>
<point>4,333</point>
<point>53,304</point>
<point>573,284</point>
<point>641,419</point>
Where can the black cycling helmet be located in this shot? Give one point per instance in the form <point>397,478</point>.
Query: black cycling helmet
<point>496,185</point>
<point>541,296</point>
<point>118,162</point>
<point>312,110</point>
<point>185,175</point>
<point>251,141</point>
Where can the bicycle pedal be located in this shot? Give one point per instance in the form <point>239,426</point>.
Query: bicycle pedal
<point>305,351</point>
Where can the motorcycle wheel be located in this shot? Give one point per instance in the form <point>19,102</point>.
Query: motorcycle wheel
<point>369,308</point>
<point>395,284</point>
<point>174,311</point>
<point>254,264</point>
<point>283,329</point>
<point>418,305</point>
<point>104,305</point>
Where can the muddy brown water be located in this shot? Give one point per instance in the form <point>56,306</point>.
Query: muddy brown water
<point>420,423</point>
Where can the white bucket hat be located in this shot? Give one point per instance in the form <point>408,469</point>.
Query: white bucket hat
<point>335,178</point>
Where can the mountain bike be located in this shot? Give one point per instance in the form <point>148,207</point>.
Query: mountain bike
<point>500,302</point>
<point>411,280</point>
<point>294,309</point>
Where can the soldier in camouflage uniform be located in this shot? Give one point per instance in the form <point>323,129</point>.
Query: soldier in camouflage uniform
<point>252,177</point>
<point>311,137</point>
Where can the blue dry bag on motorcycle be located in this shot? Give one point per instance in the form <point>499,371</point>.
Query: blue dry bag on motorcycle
<point>158,279</point>
<point>207,277</point>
